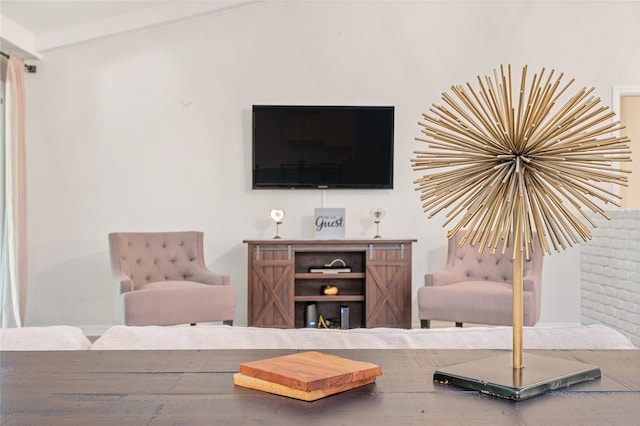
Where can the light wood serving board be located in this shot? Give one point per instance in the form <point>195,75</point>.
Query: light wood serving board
<point>306,375</point>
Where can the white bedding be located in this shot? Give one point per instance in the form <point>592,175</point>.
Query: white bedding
<point>52,338</point>
<point>227,337</point>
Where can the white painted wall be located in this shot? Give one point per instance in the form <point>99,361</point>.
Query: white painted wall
<point>151,131</point>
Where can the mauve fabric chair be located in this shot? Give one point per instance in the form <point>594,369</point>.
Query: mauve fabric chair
<point>478,288</point>
<point>163,280</point>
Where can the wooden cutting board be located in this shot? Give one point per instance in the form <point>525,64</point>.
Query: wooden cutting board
<point>306,375</point>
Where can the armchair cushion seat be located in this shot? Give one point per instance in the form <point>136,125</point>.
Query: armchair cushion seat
<point>206,303</point>
<point>482,302</point>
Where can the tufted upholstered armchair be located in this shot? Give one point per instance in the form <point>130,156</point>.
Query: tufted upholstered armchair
<point>163,280</point>
<point>478,288</point>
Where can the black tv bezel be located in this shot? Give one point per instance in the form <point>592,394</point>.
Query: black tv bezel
<point>322,186</point>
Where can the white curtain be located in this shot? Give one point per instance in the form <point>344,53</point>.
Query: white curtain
<point>13,257</point>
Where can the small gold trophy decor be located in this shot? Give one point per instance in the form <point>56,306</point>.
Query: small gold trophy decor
<point>512,160</point>
<point>377,215</point>
<point>277,216</point>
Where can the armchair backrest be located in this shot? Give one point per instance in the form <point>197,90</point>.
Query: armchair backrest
<point>156,256</point>
<point>471,265</point>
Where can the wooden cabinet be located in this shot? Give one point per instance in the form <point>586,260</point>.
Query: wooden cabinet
<point>377,290</point>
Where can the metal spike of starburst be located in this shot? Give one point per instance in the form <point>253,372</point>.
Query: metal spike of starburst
<point>515,164</point>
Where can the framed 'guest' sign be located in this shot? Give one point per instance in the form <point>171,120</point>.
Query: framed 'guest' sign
<point>329,223</point>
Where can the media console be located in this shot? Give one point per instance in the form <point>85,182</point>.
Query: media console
<point>377,288</point>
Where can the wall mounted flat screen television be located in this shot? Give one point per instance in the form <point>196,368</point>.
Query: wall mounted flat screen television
<point>322,147</point>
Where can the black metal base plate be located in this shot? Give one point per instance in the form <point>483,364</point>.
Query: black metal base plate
<point>496,376</point>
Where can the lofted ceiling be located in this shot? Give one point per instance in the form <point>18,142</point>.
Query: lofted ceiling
<point>40,17</point>
<point>30,28</point>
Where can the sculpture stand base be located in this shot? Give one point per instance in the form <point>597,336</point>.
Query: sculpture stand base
<point>496,376</point>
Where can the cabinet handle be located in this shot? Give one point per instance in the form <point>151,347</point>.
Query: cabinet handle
<point>257,250</point>
<point>372,248</point>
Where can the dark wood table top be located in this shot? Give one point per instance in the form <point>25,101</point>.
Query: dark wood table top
<point>196,387</point>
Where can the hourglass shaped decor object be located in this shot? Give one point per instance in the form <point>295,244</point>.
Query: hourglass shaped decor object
<point>377,215</point>
<point>277,216</point>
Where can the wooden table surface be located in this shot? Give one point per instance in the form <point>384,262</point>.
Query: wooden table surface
<point>196,387</point>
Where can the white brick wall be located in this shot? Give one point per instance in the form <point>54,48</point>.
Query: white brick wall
<point>610,274</point>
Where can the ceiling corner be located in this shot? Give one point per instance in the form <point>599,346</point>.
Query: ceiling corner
<point>16,40</point>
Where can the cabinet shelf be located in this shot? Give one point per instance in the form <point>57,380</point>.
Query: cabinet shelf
<point>328,276</point>
<point>338,298</point>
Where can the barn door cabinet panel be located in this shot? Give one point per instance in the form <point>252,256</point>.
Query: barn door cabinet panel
<point>287,275</point>
<point>388,286</point>
<point>270,291</point>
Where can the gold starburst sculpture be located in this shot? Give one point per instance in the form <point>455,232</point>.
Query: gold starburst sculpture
<point>518,164</point>
<point>512,160</point>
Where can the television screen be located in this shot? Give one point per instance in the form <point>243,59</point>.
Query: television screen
<point>323,147</point>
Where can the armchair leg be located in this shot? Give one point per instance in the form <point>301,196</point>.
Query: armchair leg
<point>228,322</point>
<point>425,323</point>
<point>459,324</point>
